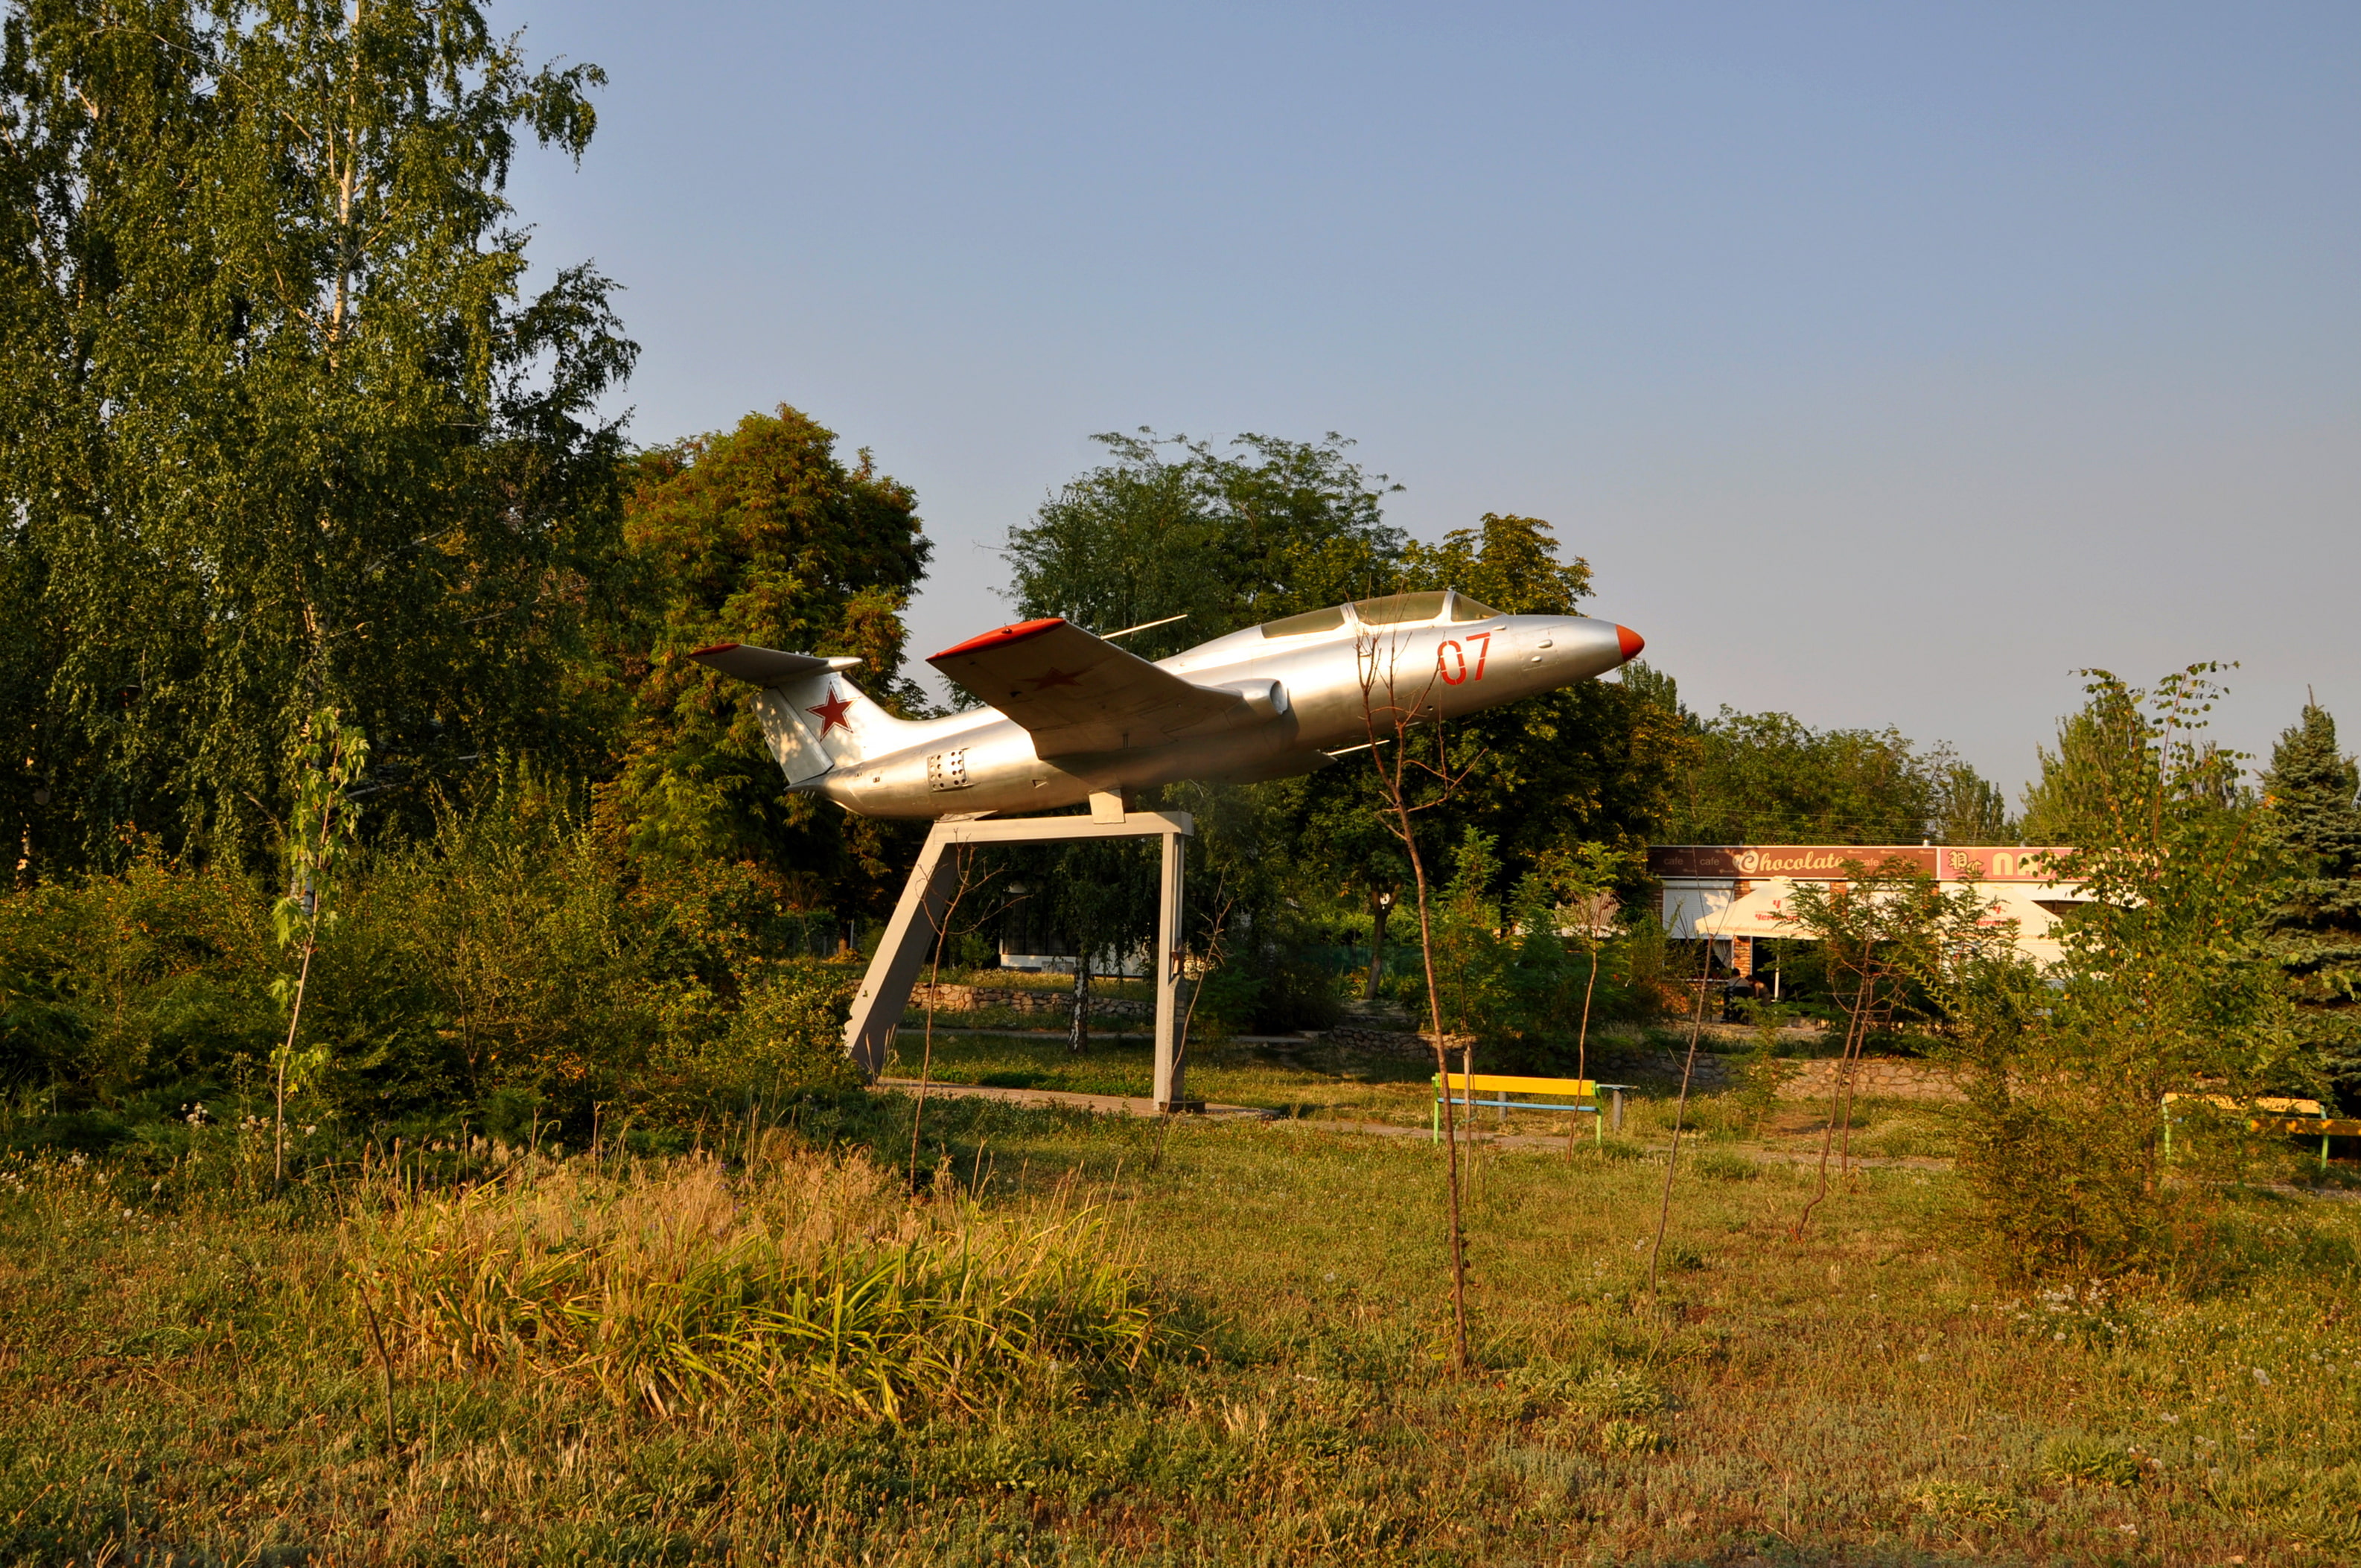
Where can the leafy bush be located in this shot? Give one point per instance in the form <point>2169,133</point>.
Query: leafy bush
<point>155,978</point>
<point>510,967</point>
<point>2165,988</point>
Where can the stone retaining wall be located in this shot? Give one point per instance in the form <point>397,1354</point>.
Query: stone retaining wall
<point>1875,1078</point>
<point>1394,1043</point>
<point>1023,998</point>
<point>1711,1073</point>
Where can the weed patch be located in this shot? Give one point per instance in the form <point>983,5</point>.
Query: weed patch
<point>802,1279</point>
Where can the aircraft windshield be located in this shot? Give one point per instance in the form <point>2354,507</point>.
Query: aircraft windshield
<point>1327,619</point>
<point>1465,608</point>
<point>1395,609</point>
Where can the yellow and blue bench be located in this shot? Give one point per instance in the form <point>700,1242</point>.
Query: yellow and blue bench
<point>2301,1117</point>
<point>1579,1095</point>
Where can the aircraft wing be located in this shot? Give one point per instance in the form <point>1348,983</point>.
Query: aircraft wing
<point>1076,692</point>
<point>765,666</point>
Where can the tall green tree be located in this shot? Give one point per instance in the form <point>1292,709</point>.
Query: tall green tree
<point>280,424</point>
<point>759,534</point>
<point>2167,986</point>
<point>2101,760</point>
<point>1171,526</point>
<point>1771,778</point>
<point>2313,927</point>
<point>1969,808</point>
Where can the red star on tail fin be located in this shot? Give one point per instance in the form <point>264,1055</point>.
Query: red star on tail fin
<point>832,712</point>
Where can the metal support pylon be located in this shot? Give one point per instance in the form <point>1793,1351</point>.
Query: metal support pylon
<point>885,994</point>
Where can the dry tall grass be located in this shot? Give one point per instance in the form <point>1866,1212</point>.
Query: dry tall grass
<point>814,1280</point>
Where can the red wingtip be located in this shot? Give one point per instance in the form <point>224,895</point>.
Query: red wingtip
<point>1002,636</point>
<point>1630,642</point>
<point>716,648</point>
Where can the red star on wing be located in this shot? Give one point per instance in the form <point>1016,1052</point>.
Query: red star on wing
<point>832,712</point>
<point>1056,677</point>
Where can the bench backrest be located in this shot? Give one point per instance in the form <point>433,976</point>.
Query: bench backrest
<point>1501,1083</point>
<point>2281,1104</point>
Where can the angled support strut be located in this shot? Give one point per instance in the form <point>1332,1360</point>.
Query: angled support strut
<point>885,994</point>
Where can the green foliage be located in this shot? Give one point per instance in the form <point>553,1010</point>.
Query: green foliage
<point>331,759</point>
<point>2103,749</point>
<point>140,988</point>
<point>1510,563</point>
<point>2165,987</point>
<point>2313,926</point>
<point>761,536</point>
<point>509,955</point>
<point>1246,868</point>
<point>1472,951</point>
<point>1770,778</point>
<point>1521,974</point>
<point>277,423</point>
<point>1886,932</point>
<point>1173,526</point>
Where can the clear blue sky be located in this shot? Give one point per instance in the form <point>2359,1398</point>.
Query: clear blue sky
<point>1887,362</point>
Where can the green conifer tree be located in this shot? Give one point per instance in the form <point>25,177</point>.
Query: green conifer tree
<point>2314,928</point>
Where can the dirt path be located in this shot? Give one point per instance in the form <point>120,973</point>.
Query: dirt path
<point>1103,1104</point>
<point>1129,1105</point>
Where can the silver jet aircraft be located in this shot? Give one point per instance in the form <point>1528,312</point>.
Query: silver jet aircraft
<point>1067,715</point>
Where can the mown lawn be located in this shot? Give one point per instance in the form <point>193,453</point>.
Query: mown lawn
<point>196,1387</point>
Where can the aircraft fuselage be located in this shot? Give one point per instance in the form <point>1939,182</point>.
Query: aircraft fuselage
<point>1306,694</point>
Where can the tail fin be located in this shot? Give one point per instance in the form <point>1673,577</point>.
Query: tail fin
<point>814,719</point>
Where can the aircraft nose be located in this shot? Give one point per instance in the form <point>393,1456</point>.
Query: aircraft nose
<point>1630,642</point>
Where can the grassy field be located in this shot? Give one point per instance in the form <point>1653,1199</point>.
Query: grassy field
<point>1227,1347</point>
<point>1316,1082</point>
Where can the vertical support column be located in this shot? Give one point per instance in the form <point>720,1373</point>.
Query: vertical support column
<point>1170,1070</point>
<point>885,993</point>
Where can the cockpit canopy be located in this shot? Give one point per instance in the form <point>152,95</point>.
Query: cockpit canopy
<point>1393,609</point>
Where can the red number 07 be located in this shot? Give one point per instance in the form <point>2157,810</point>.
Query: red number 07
<point>1451,660</point>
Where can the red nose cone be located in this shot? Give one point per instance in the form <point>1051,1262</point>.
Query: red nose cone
<point>1630,642</point>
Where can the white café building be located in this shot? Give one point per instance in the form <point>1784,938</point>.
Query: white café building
<point>1734,895</point>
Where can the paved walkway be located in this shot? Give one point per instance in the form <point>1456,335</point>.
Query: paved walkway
<point>1103,1104</point>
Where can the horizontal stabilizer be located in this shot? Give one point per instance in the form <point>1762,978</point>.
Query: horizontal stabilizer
<point>1078,693</point>
<point>767,666</point>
